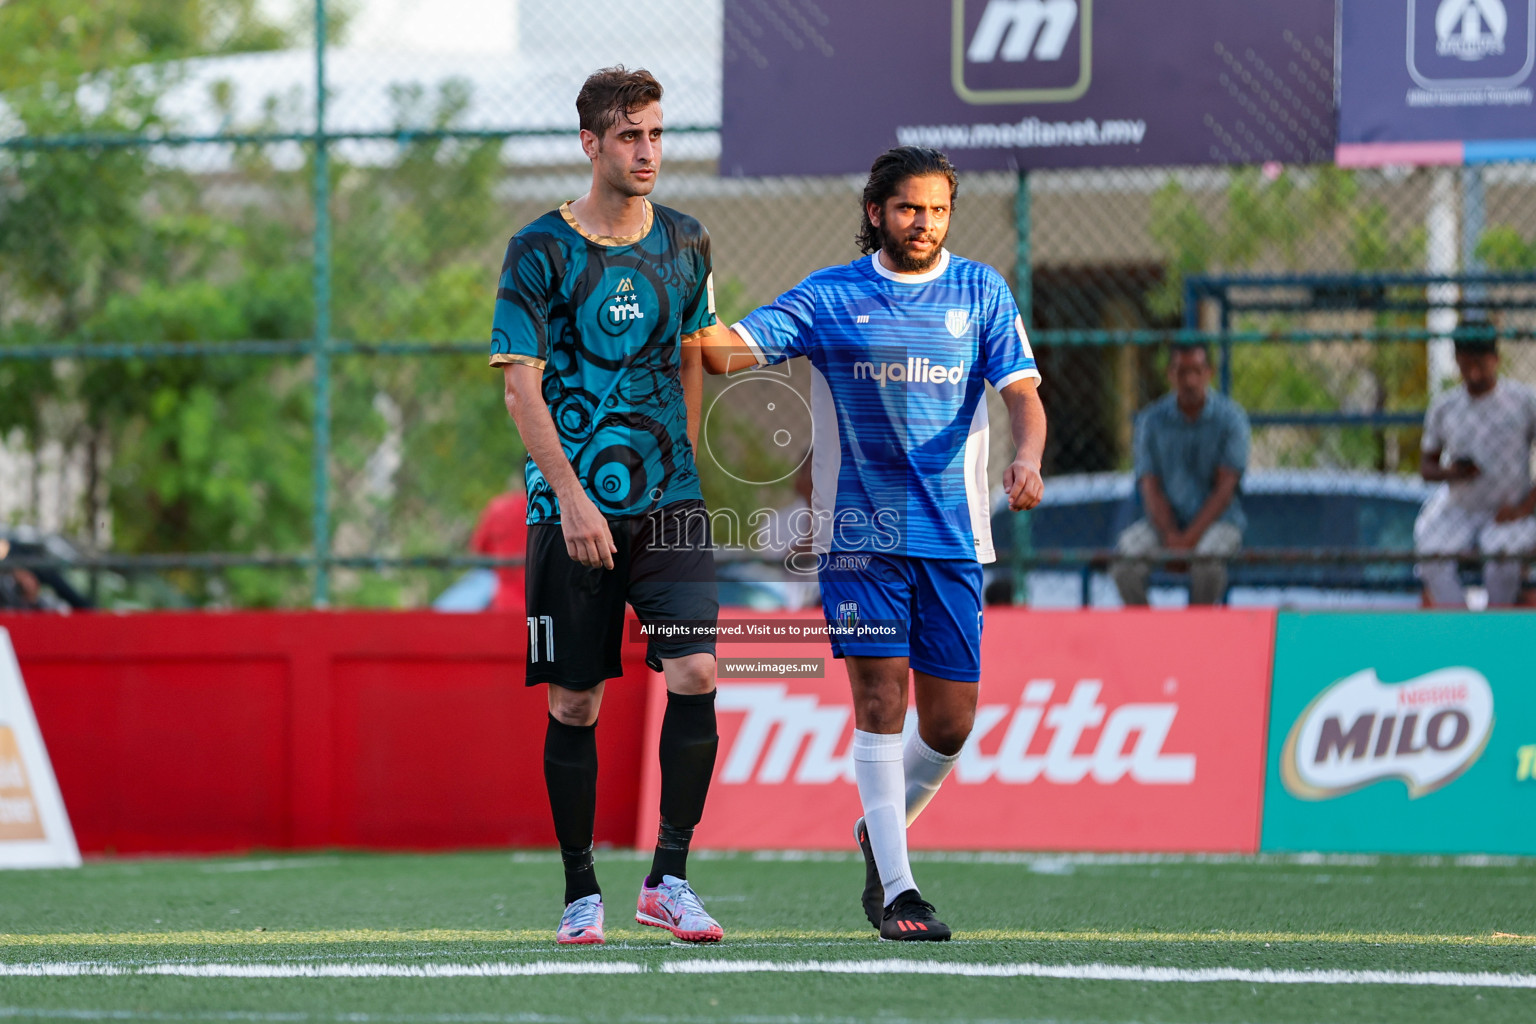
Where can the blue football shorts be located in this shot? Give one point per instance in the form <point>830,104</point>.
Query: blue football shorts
<point>927,610</point>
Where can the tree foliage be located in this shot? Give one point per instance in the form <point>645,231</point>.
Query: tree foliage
<point>102,245</point>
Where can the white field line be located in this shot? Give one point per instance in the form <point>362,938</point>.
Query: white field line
<point>1068,972</point>
<point>274,864</point>
<point>257,1017</point>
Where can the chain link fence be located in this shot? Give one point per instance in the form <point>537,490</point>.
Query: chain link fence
<point>243,322</point>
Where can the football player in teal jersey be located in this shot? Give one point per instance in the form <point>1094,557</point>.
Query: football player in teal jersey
<point>595,302</point>
<point>901,345</point>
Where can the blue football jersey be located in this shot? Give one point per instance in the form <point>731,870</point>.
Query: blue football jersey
<point>604,318</point>
<point>899,365</point>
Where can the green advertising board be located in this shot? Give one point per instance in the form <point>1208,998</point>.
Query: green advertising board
<point>1411,732</point>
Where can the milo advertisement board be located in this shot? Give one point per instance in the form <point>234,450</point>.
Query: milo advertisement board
<point>1403,733</point>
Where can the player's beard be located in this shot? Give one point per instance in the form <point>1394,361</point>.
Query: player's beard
<point>903,260</point>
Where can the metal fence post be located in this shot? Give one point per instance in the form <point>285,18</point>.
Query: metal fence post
<point>322,342</point>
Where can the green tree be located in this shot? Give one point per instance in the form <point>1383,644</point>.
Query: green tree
<point>103,244</point>
<point>1292,223</point>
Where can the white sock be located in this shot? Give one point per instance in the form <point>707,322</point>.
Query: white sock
<point>926,770</point>
<point>877,768</point>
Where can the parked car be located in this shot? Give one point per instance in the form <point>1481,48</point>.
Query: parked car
<point>67,586</point>
<point>1286,508</point>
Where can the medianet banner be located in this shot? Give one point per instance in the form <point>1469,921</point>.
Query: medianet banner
<point>818,88</point>
<point>1137,730</point>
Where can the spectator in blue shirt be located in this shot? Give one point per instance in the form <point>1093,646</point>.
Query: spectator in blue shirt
<point>1191,447</point>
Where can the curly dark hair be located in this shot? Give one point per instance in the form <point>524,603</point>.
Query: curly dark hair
<point>611,92</point>
<point>890,169</point>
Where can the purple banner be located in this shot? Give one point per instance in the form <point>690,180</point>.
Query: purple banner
<point>817,87</point>
<point>1420,77</point>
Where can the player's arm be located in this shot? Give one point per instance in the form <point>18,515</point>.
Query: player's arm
<point>722,350</point>
<point>1215,504</point>
<point>692,371</point>
<point>586,531</point>
<point>1026,418</point>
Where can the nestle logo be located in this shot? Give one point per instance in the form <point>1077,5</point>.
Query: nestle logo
<point>795,738</point>
<point>1021,51</point>
<point>1425,731</point>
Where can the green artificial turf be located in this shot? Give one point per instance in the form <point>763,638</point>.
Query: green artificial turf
<point>337,911</point>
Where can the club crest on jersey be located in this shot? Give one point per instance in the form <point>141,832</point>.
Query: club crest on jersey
<point>848,614</point>
<point>957,320</point>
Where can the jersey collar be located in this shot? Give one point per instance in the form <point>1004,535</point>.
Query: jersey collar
<point>923,278</point>
<point>608,240</point>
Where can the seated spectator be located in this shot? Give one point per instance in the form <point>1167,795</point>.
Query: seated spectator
<point>1477,441</point>
<point>1191,447</point>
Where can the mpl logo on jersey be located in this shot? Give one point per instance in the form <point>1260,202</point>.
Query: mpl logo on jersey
<point>622,307</point>
<point>1092,732</point>
<point>1021,51</point>
<point>1424,732</point>
<point>1471,44</point>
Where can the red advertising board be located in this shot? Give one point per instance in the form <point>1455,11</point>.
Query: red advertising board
<point>1132,730</point>
<point>208,732</point>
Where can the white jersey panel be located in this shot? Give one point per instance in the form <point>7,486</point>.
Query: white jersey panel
<point>976,444</point>
<point>826,461</point>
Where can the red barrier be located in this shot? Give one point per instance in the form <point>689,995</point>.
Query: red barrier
<point>220,732</point>
<point>1131,730</point>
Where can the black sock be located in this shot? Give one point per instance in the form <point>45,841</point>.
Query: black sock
<point>570,775</point>
<point>687,752</point>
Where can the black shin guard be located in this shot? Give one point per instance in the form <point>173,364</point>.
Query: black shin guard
<point>687,752</point>
<point>570,775</point>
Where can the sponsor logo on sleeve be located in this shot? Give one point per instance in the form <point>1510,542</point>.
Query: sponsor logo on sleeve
<point>1425,732</point>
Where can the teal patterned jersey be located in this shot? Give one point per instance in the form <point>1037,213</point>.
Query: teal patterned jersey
<point>605,319</point>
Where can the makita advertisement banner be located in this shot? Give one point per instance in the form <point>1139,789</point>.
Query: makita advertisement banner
<point>1120,731</point>
<point>1411,732</point>
<point>1437,81</point>
<point>818,88</point>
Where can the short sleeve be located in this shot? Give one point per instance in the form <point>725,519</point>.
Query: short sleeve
<point>782,329</point>
<point>699,313</point>
<point>520,326</point>
<point>1434,427</point>
<point>1005,350</point>
<point>1234,447</point>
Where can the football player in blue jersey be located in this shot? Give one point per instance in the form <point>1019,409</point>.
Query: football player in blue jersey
<point>594,302</point>
<point>901,345</point>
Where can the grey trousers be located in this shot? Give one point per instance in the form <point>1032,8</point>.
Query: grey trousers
<point>1445,528</point>
<point>1207,565</point>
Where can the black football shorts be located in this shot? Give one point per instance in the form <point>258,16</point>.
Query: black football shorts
<point>665,568</point>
